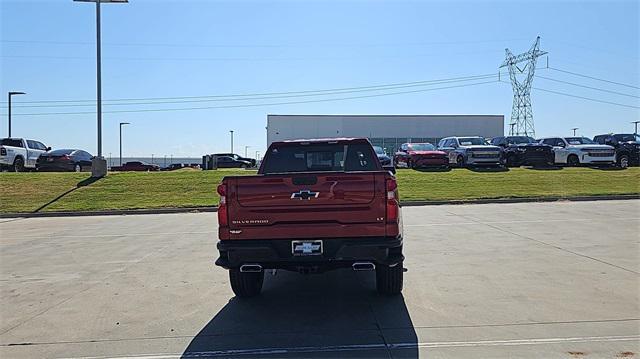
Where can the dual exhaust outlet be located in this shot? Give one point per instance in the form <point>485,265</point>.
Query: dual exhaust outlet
<point>357,266</point>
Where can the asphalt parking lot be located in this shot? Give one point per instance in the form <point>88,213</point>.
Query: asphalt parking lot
<point>542,280</point>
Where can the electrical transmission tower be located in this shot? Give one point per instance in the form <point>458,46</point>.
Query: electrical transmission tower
<point>521,79</point>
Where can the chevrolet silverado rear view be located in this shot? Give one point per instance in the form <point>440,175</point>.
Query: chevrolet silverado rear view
<point>315,205</point>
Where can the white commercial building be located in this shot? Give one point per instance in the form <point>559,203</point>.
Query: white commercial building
<point>388,131</point>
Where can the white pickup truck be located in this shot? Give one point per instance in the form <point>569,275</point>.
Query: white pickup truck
<point>19,154</point>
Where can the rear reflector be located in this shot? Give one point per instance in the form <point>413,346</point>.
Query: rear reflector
<point>223,217</point>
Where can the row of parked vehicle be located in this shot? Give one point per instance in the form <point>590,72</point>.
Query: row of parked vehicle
<point>20,154</point>
<point>622,150</point>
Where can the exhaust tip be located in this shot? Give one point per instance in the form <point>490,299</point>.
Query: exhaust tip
<point>250,268</point>
<point>359,266</point>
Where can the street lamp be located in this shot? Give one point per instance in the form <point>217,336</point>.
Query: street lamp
<point>245,150</point>
<point>574,130</point>
<point>122,123</point>
<point>11,93</point>
<point>97,170</point>
<point>231,131</point>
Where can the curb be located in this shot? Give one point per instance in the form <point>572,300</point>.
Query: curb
<point>403,203</point>
<point>522,200</point>
<point>116,212</point>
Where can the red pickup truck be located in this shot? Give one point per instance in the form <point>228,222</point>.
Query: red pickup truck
<point>315,205</point>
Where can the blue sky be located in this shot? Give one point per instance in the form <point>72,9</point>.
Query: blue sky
<point>184,48</point>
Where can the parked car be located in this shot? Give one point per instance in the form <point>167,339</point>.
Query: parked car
<point>524,151</point>
<point>19,154</point>
<point>471,151</point>
<point>627,146</point>
<point>172,167</point>
<point>252,161</point>
<point>415,155</point>
<point>136,166</point>
<point>573,151</point>
<point>64,160</point>
<point>230,162</point>
<point>314,206</point>
<point>385,160</point>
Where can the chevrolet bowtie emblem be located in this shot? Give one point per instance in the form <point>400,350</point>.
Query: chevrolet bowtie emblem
<point>304,194</point>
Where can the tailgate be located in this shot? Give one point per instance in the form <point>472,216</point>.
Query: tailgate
<point>309,205</point>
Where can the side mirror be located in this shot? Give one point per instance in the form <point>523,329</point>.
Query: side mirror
<point>391,169</point>
<point>48,148</point>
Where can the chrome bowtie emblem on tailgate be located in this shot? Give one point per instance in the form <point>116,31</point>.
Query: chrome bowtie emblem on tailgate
<point>304,194</point>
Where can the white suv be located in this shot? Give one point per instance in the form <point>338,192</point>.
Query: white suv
<point>19,154</point>
<point>574,151</point>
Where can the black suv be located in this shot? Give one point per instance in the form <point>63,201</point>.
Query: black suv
<point>523,150</point>
<point>627,147</point>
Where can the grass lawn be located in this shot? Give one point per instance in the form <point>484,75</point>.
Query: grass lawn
<point>31,192</point>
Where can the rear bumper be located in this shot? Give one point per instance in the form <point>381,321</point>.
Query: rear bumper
<point>337,253</point>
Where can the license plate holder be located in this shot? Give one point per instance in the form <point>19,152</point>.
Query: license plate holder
<point>306,248</point>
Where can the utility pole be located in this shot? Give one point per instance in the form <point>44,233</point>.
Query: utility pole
<point>257,155</point>
<point>636,130</point>
<point>231,132</point>
<point>11,93</point>
<point>574,130</point>
<point>98,165</point>
<point>521,112</point>
<point>245,150</point>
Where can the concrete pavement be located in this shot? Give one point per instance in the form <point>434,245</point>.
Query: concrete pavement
<point>539,280</point>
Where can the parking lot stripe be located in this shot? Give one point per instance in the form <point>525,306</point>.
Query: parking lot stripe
<point>361,347</point>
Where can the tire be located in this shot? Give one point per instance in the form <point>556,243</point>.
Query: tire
<point>623,161</point>
<point>409,164</point>
<point>511,160</point>
<point>18,164</point>
<point>247,284</point>
<point>573,160</point>
<point>77,168</point>
<point>389,279</point>
<point>460,161</point>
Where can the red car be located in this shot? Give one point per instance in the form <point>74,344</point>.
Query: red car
<point>314,206</point>
<point>416,155</point>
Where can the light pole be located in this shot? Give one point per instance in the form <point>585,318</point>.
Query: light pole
<point>97,170</point>
<point>231,132</point>
<point>122,123</point>
<point>257,153</point>
<point>634,132</point>
<point>574,130</point>
<point>11,93</point>
<point>245,150</point>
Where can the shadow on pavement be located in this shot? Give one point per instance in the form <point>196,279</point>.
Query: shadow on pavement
<point>85,182</point>
<point>337,314</point>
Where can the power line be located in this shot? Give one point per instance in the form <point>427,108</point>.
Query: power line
<point>589,87</point>
<point>593,78</point>
<point>319,92</point>
<point>323,93</point>
<point>584,98</point>
<point>258,105</point>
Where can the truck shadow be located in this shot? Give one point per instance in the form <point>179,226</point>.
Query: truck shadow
<point>337,314</point>
<point>85,182</point>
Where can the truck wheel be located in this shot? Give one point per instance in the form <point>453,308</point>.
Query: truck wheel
<point>18,164</point>
<point>573,160</point>
<point>246,284</point>
<point>77,168</point>
<point>623,161</point>
<point>511,160</point>
<point>389,279</point>
<point>460,161</point>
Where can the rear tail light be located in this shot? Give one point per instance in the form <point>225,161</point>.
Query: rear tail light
<point>392,207</point>
<point>223,216</point>
<point>3,151</point>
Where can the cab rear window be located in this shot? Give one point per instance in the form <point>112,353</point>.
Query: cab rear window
<point>319,158</point>
<point>10,142</point>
